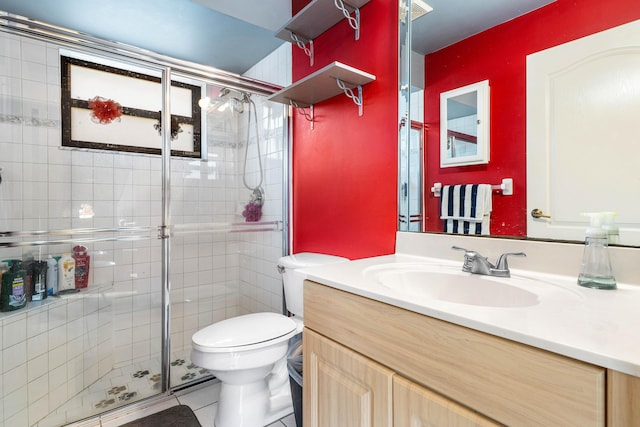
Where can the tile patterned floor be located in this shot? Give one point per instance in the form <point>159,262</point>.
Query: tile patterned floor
<point>203,400</point>
<point>125,385</point>
<point>121,387</point>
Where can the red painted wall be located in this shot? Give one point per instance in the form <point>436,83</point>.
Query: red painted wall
<point>345,169</point>
<point>499,55</point>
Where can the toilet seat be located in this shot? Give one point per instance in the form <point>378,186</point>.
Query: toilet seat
<point>246,332</point>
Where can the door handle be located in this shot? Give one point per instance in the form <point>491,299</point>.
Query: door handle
<point>538,213</point>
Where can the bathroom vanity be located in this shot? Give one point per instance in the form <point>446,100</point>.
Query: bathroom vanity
<point>373,357</point>
<point>370,363</point>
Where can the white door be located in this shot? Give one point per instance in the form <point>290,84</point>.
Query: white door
<point>583,134</point>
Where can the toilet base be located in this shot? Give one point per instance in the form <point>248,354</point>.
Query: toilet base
<point>252,405</point>
<point>275,416</point>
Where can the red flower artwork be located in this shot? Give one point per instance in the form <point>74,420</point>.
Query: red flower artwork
<point>104,111</point>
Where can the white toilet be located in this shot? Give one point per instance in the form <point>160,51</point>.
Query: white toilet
<point>247,353</point>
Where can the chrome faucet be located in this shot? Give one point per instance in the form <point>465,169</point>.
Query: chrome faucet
<point>477,264</point>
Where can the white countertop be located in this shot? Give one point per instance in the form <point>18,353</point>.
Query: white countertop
<point>595,326</point>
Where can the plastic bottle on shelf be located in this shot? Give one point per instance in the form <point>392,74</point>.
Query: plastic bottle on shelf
<point>52,274</point>
<point>38,274</point>
<point>66,273</point>
<point>13,293</point>
<point>82,260</point>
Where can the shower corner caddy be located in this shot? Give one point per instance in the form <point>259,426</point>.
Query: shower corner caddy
<point>325,83</point>
<point>317,17</point>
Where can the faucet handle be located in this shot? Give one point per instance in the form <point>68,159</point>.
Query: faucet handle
<point>469,257</point>
<point>458,248</point>
<point>502,261</point>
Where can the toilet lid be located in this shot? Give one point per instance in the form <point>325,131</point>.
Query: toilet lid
<point>308,259</point>
<point>244,330</point>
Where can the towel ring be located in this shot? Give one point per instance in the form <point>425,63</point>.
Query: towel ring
<point>506,187</point>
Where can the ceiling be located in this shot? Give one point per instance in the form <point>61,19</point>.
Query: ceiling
<point>233,35</point>
<point>455,20</point>
<point>443,26</point>
<point>268,14</point>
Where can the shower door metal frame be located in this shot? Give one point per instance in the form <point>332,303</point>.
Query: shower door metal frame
<point>164,229</point>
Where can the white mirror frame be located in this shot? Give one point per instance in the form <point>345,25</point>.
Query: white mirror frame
<point>482,153</point>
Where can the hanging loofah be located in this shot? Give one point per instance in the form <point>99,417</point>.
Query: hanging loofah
<point>252,211</point>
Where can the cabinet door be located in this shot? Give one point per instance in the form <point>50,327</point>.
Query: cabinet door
<point>416,406</point>
<point>623,395</point>
<point>342,388</point>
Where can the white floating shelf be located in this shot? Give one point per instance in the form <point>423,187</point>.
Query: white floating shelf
<point>322,85</point>
<point>315,18</point>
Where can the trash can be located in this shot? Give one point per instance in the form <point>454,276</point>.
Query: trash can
<point>294,366</point>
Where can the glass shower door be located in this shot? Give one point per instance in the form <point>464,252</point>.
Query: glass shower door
<point>226,221</point>
<point>94,345</point>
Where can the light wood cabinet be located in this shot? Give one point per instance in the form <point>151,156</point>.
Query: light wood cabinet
<point>623,400</point>
<point>448,375</point>
<point>342,388</point>
<point>416,406</point>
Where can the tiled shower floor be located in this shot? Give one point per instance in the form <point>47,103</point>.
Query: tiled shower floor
<point>122,386</point>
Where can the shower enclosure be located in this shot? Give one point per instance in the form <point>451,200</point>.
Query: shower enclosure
<point>170,249</point>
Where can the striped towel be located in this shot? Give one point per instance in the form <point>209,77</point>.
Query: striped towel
<point>466,208</point>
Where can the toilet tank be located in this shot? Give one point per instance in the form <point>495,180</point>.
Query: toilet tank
<point>293,280</point>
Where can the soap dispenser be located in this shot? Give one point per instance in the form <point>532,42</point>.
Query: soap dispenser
<point>596,268</point>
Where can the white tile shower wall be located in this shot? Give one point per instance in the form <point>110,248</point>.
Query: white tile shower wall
<point>52,352</point>
<point>274,68</point>
<point>261,284</point>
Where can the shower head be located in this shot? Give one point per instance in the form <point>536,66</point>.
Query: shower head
<point>225,99</point>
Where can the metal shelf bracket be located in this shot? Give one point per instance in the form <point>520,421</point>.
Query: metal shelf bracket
<point>357,99</point>
<point>354,21</point>
<point>302,43</point>
<point>307,114</point>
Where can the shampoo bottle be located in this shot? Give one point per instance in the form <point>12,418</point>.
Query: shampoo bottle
<point>52,275</point>
<point>66,273</point>
<point>596,269</point>
<point>82,266</point>
<point>38,280</point>
<point>13,293</point>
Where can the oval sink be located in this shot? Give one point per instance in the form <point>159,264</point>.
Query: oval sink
<point>449,284</point>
